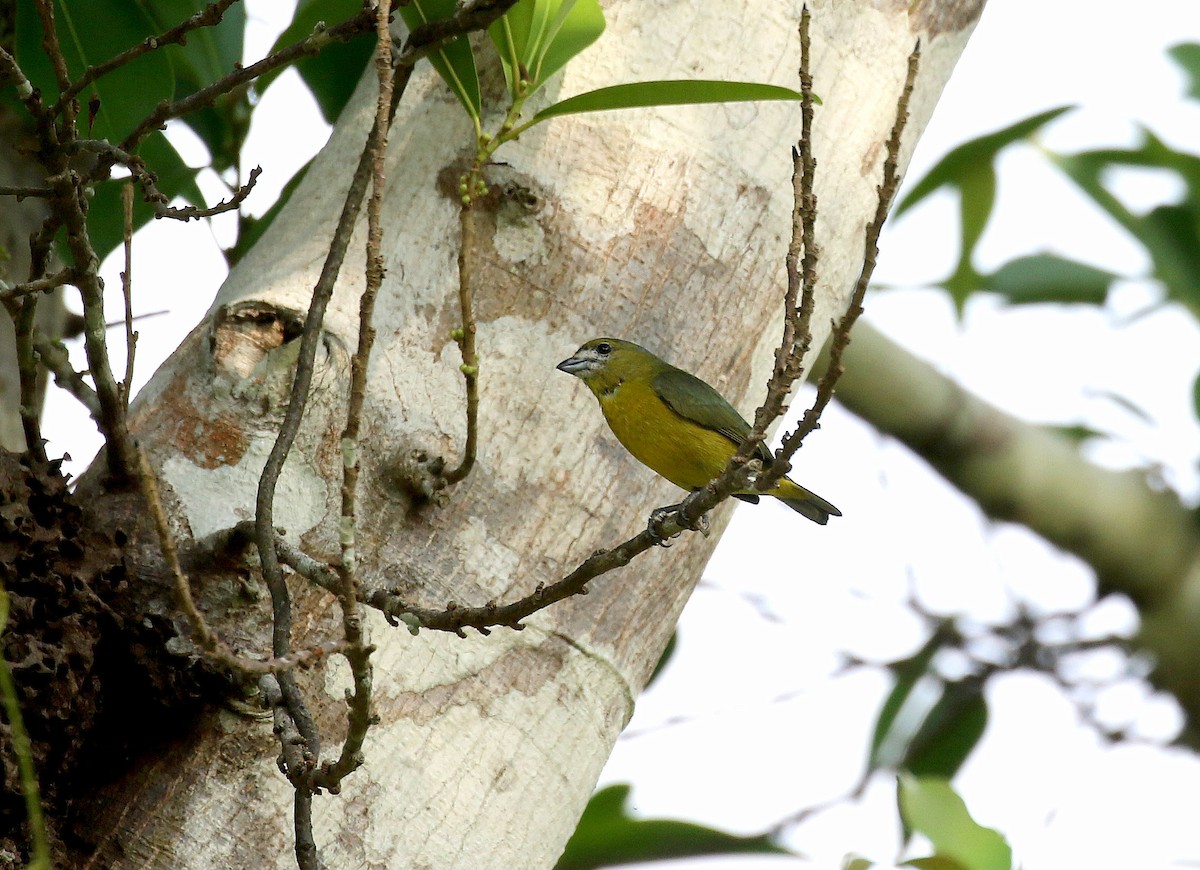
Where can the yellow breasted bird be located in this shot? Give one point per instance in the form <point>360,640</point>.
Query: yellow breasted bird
<point>673,422</point>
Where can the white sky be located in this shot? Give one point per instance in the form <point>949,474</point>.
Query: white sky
<point>750,723</point>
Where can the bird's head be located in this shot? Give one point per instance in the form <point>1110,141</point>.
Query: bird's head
<point>605,363</point>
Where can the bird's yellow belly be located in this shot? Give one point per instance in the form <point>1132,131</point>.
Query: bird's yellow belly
<point>683,452</point>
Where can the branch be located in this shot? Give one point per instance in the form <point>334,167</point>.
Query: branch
<point>23,192</point>
<point>841,334</point>
<point>39,285</point>
<point>465,336</point>
<point>1141,542</point>
<point>191,212</point>
<point>311,44</point>
<point>358,653</point>
<point>209,16</point>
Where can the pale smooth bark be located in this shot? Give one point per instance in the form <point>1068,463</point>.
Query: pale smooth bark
<point>665,227</point>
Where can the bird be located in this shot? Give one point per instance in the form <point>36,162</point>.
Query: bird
<point>674,423</point>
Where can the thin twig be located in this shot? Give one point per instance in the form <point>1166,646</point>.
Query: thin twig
<point>841,333</point>
<point>53,354</point>
<point>127,291</point>
<point>797,333</point>
<point>465,336</point>
<point>113,421</point>
<point>358,653</point>
<point>209,16</point>
<point>38,285</point>
<point>45,10</point>
<point>191,212</point>
<point>264,535</point>
<point>309,45</point>
<point>22,192</point>
<point>27,374</point>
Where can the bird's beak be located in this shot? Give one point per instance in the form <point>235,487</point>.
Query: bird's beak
<point>573,365</point>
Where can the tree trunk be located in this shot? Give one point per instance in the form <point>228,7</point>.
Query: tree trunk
<point>667,227</point>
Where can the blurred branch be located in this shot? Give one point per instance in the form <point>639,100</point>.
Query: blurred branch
<point>1141,542</point>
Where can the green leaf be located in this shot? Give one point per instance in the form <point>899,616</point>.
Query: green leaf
<point>210,54</point>
<point>1169,232</point>
<point>977,195</point>
<point>950,731</point>
<point>1076,433</point>
<point>510,35</point>
<point>332,74</point>
<point>934,862</point>
<point>454,61</point>
<point>931,806</point>
<point>970,169</point>
<point>665,93</point>
<point>907,672</point>
<point>1049,278</point>
<point>106,214</point>
<point>1187,55</point>
<point>973,157</point>
<point>608,835</point>
<point>856,863</point>
<point>127,94</point>
<point>578,25</point>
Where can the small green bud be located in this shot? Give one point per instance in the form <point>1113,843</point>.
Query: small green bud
<point>466,200</point>
<point>468,370</point>
<point>413,623</point>
<point>463,190</point>
<point>457,334</point>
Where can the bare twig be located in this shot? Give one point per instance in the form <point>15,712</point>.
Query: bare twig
<point>311,44</point>
<point>113,421</point>
<point>358,653</point>
<point>797,334</point>
<point>465,336</point>
<point>127,291</point>
<point>54,356</point>
<point>22,192</point>
<point>27,374</point>
<point>190,212</point>
<point>841,333</point>
<point>45,10</point>
<point>38,285</point>
<point>310,339</point>
<point>209,16</point>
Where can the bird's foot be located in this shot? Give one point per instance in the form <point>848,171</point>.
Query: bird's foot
<point>655,526</point>
<point>659,515</point>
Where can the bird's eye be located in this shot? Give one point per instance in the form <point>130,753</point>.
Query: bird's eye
<point>604,348</point>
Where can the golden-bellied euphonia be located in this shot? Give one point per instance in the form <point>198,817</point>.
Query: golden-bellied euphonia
<point>674,422</point>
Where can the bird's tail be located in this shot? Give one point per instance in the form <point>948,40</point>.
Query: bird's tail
<point>805,502</point>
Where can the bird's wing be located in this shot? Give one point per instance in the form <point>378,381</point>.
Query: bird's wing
<point>693,399</point>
